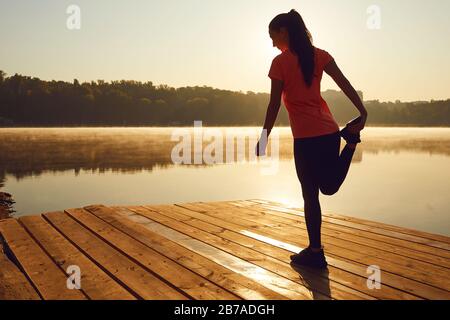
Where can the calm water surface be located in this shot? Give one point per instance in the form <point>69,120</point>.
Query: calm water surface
<point>399,176</point>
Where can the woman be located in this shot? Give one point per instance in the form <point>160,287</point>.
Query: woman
<point>296,74</point>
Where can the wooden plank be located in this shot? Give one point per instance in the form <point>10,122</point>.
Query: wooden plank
<point>211,246</point>
<point>239,248</point>
<point>397,229</point>
<point>373,242</point>
<point>13,283</point>
<point>393,245</point>
<point>347,274</point>
<point>414,287</point>
<point>408,231</point>
<point>320,281</point>
<point>184,279</point>
<point>46,276</point>
<point>95,283</point>
<point>400,265</point>
<point>233,282</point>
<point>281,267</point>
<point>126,272</point>
<point>377,227</point>
<point>344,249</point>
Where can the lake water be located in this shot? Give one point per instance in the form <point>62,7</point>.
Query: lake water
<point>398,176</point>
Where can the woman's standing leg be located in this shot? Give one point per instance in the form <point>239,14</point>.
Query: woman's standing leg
<point>306,167</point>
<point>333,166</point>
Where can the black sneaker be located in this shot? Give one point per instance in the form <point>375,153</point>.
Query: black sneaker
<point>348,136</point>
<point>309,258</point>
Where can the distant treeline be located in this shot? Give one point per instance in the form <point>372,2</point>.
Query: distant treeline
<point>27,101</point>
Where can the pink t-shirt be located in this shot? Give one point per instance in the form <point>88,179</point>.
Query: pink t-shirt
<point>309,114</point>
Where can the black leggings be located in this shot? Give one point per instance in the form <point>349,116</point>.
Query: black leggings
<point>320,167</point>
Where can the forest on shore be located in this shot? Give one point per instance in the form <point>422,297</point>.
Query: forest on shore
<point>29,101</point>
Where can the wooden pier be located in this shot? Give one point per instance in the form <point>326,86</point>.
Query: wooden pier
<point>228,250</point>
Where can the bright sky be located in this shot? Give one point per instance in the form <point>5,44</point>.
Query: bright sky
<point>225,44</point>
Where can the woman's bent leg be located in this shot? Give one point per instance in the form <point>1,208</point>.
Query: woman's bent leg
<point>334,166</point>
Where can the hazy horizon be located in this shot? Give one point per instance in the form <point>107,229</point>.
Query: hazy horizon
<point>226,45</point>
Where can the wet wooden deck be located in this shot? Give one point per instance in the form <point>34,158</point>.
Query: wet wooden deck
<point>217,250</point>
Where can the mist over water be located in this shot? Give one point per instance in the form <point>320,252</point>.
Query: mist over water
<point>398,175</point>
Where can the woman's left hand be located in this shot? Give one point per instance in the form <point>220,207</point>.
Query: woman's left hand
<point>360,125</point>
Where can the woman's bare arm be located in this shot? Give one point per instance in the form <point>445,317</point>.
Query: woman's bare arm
<point>336,74</point>
<point>271,115</point>
<point>274,105</point>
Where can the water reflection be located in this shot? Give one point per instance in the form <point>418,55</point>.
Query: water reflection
<point>26,152</point>
<point>404,175</point>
